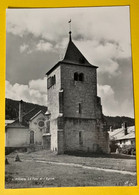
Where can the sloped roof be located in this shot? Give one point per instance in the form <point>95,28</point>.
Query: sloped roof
<point>128,136</point>
<point>32,113</point>
<point>73,56</point>
<point>8,122</point>
<point>17,124</point>
<point>118,134</point>
<point>26,118</point>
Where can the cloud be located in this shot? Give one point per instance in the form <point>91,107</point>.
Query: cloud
<point>34,92</point>
<point>102,33</point>
<point>96,23</point>
<point>40,45</point>
<point>108,100</point>
<point>104,55</point>
<point>39,85</point>
<point>111,107</point>
<point>23,47</point>
<point>44,46</point>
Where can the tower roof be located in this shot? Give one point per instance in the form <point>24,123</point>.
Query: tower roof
<point>73,54</point>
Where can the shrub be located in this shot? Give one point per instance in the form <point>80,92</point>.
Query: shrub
<point>113,145</point>
<point>128,149</point>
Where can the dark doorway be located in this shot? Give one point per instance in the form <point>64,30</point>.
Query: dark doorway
<point>31,137</point>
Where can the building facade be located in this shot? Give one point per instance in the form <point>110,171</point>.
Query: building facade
<point>75,111</point>
<point>124,136</point>
<point>27,130</point>
<point>74,120</point>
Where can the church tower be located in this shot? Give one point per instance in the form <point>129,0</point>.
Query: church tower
<point>76,119</point>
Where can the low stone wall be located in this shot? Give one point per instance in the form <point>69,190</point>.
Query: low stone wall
<point>8,150</point>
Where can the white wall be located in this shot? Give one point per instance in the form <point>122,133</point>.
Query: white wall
<point>17,137</point>
<point>38,131</point>
<point>126,142</point>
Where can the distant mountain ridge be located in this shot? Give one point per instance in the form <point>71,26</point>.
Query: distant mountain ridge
<point>12,109</point>
<point>116,122</point>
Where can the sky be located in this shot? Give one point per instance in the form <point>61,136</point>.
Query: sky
<point>36,39</point>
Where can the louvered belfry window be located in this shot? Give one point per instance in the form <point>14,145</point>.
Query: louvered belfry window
<point>51,81</point>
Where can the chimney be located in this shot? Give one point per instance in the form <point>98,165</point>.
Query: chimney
<point>124,127</point>
<point>20,111</point>
<point>111,129</point>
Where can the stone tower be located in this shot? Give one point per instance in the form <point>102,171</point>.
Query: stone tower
<point>76,119</point>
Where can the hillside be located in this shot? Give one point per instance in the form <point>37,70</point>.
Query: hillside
<point>12,108</point>
<point>116,121</point>
<point>12,113</point>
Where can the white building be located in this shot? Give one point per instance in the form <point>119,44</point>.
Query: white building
<point>123,136</point>
<point>29,129</point>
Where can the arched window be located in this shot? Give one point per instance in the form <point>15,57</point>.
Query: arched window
<point>81,77</point>
<point>31,137</point>
<point>76,76</point>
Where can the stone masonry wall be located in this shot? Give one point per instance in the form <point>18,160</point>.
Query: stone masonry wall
<point>53,107</point>
<point>93,139</point>
<point>75,92</point>
<point>80,129</point>
<point>72,128</point>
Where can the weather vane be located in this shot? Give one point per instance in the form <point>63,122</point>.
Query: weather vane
<point>69,25</point>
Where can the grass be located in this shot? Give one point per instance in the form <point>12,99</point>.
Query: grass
<point>30,174</point>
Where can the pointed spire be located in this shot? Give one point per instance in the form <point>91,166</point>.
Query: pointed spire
<point>73,54</point>
<point>70,39</point>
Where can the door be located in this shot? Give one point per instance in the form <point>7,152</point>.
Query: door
<point>31,137</point>
<point>47,142</point>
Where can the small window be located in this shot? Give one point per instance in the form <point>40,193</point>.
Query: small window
<point>61,100</point>
<point>80,138</point>
<point>81,77</point>
<point>48,127</point>
<point>80,108</point>
<point>48,82</point>
<point>132,142</point>
<point>76,76</point>
<point>31,137</point>
<point>51,81</point>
